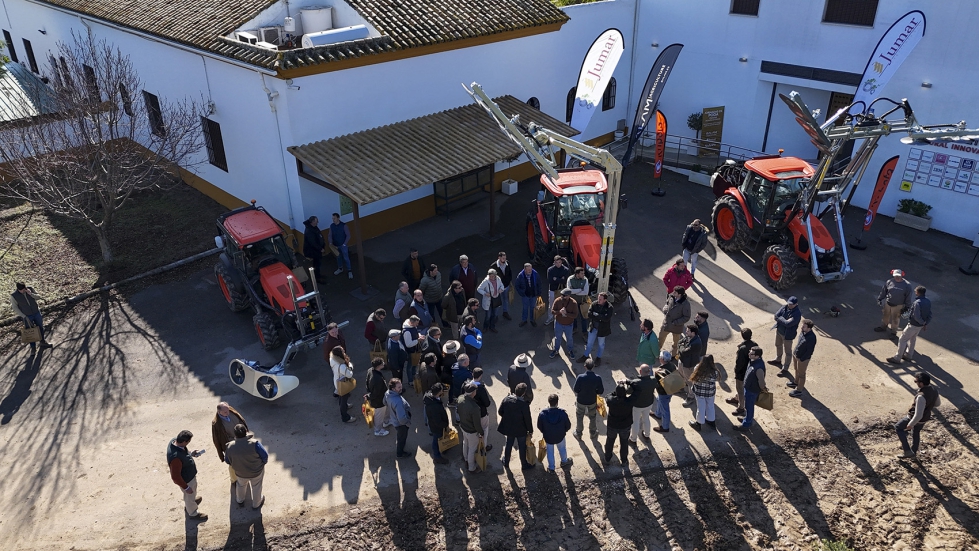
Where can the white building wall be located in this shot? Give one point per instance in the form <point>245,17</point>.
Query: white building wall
<point>708,73</point>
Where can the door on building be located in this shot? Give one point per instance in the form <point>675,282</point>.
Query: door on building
<point>837,101</point>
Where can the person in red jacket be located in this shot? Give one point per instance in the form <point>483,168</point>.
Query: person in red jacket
<point>677,275</point>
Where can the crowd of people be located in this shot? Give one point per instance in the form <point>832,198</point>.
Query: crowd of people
<point>435,345</point>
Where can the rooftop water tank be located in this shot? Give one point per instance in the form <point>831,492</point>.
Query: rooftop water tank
<point>316,19</point>
<point>289,24</point>
<point>334,36</point>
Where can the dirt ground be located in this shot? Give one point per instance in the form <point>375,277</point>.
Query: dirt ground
<point>783,492</point>
<point>83,427</point>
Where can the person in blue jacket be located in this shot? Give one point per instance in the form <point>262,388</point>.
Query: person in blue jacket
<point>554,424</point>
<point>786,327</point>
<point>528,287</point>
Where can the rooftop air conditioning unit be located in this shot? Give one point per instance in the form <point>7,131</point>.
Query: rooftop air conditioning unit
<point>272,35</point>
<point>246,37</point>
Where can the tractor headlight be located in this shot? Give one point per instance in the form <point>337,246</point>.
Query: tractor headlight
<point>821,250</point>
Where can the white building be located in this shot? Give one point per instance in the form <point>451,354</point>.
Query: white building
<point>351,111</point>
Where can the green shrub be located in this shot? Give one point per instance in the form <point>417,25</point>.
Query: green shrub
<point>914,207</point>
<point>827,545</point>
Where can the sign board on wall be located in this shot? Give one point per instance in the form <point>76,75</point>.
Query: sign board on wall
<point>710,131</point>
<point>952,166</point>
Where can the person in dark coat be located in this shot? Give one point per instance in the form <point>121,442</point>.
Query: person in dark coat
<point>450,352</point>
<point>438,419</point>
<point>800,357</point>
<point>554,424</point>
<point>599,327</point>
<point>557,278</point>
<point>518,374</point>
<point>376,387</point>
<point>703,330</point>
<point>334,338</point>
<point>587,387</point>
<point>642,398</point>
<point>413,268</point>
<point>527,284</point>
<point>465,273</point>
<point>428,371</point>
<point>786,326</point>
<point>397,355</point>
<point>690,347</point>
<point>666,366</point>
<point>693,242</point>
<point>516,425</point>
<point>740,367</point>
<point>314,245</point>
<point>460,374</point>
<point>619,424</point>
<point>483,399</point>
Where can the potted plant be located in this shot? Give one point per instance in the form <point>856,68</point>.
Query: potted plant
<point>913,214</point>
<point>695,122</point>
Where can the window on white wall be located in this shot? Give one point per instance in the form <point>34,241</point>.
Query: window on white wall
<point>91,84</point>
<point>127,100</point>
<point>745,7</point>
<point>215,144</point>
<point>154,113</point>
<point>11,52</point>
<point>30,56</point>
<point>534,102</point>
<point>851,12</point>
<point>54,69</point>
<point>569,106</point>
<point>608,98</point>
<point>65,73</point>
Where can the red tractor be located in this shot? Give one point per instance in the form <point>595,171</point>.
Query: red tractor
<point>258,271</point>
<point>760,200</point>
<point>566,218</point>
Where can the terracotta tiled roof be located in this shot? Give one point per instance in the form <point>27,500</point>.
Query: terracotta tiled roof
<point>381,162</point>
<point>402,23</point>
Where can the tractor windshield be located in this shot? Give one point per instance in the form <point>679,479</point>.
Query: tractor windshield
<point>788,189</point>
<point>586,206</point>
<point>268,249</point>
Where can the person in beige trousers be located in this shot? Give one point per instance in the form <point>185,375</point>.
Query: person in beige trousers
<point>223,431</point>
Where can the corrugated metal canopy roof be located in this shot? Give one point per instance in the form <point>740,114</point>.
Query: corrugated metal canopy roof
<point>22,94</point>
<point>374,164</point>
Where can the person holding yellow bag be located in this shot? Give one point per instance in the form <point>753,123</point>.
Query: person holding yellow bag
<point>528,286</point>
<point>516,425</point>
<point>619,424</point>
<point>554,424</point>
<point>342,370</point>
<point>438,419</point>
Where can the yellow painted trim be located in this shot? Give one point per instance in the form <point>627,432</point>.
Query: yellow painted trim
<point>408,53</point>
<point>599,141</point>
<point>214,192</point>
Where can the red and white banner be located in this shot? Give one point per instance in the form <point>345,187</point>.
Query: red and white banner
<point>660,143</point>
<point>594,76</point>
<point>883,179</point>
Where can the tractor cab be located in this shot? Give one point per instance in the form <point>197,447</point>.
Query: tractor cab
<point>567,216</point>
<point>772,188</point>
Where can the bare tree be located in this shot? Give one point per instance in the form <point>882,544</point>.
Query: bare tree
<point>97,138</point>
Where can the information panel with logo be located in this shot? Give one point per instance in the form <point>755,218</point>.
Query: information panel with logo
<point>952,166</point>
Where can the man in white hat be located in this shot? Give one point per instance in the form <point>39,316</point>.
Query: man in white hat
<point>518,374</point>
<point>895,296</point>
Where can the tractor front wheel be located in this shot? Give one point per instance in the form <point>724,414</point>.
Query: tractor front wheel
<point>781,266</point>
<point>536,247</point>
<point>730,225</point>
<point>618,284</point>
<point>236,298</point>
<point>268,333</point>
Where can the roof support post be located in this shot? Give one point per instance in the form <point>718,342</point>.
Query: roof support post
<point>360,250</point>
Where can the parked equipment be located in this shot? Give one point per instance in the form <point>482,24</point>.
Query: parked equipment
<point>771,199</point>
<point>575,212</point>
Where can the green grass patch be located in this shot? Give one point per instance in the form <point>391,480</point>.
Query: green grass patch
<point>827,545</point>
<point>60,257</point>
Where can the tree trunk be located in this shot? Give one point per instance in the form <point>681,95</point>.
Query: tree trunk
<point>103,243</point>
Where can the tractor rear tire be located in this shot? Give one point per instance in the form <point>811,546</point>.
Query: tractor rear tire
<point>730,225</point>
<point>618,284</point>
<point>781,266</point>
<point>268,333</point>
<point>536,247</point>
<point>236,297</point>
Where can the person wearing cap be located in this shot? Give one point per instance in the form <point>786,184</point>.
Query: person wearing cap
<point>786,327</point>
<point>491,289</point>
<point>23,302</point>
<point>565,312</point>
<point>693,241</point>
<point>334,338</point>
<point>677,275</point>
<point>518,374</point>
<point>469,423</point>
<point>528,287</point>
<point>676,315</point>
<point>516,424</point>
<point>666,366</point>
<point>503,270</point>
<point>895,296</point>
<point>557,275</point>
<point>465,274</point>
<point>376,387</point>
<point>918,319</point>
<point>804,348</point>
<point>926,399</point>
<point>450,352</point>
<point>587,387</point>
<point>397,355</point>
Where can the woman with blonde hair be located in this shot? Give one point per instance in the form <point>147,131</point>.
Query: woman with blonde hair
<point>342,368</point>
<point>704,379</point>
